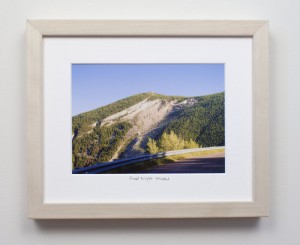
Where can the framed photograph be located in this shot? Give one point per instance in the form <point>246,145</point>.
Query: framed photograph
<point>147,119</point>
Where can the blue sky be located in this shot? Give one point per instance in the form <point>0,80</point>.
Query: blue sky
<point>95,85</point>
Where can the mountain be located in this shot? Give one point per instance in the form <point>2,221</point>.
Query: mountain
<point>122,129</point>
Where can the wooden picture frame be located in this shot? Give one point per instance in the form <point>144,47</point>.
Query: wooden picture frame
<point>39,29</point>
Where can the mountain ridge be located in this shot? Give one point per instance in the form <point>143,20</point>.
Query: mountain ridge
<point>122,129</point>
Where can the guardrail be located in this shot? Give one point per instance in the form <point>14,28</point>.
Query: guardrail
<point>105,166</point>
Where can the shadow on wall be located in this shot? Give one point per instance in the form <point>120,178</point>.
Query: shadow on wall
<point>162,225</point>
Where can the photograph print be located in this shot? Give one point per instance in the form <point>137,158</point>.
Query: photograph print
<point>148,119</point>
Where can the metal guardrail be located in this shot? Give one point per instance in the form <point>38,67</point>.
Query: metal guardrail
<point>105,166</point>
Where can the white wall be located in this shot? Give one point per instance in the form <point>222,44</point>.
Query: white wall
<point>280,228</point>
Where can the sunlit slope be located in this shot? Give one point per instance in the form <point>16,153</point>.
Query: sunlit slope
<point>123,128</point>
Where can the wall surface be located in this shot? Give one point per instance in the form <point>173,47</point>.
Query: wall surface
<point>282,227</point>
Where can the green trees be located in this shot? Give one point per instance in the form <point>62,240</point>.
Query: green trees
<point>190,144</point>
<point>152,147</point>
<point>204,122</point>
<point>200,123</point>
<point>100,145</point>
<point>169,142</point>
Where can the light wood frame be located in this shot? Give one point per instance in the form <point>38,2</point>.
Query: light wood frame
<point>38,29</point>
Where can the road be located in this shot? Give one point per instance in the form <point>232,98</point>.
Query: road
<point>105,166</point>
<point>214,163</point>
